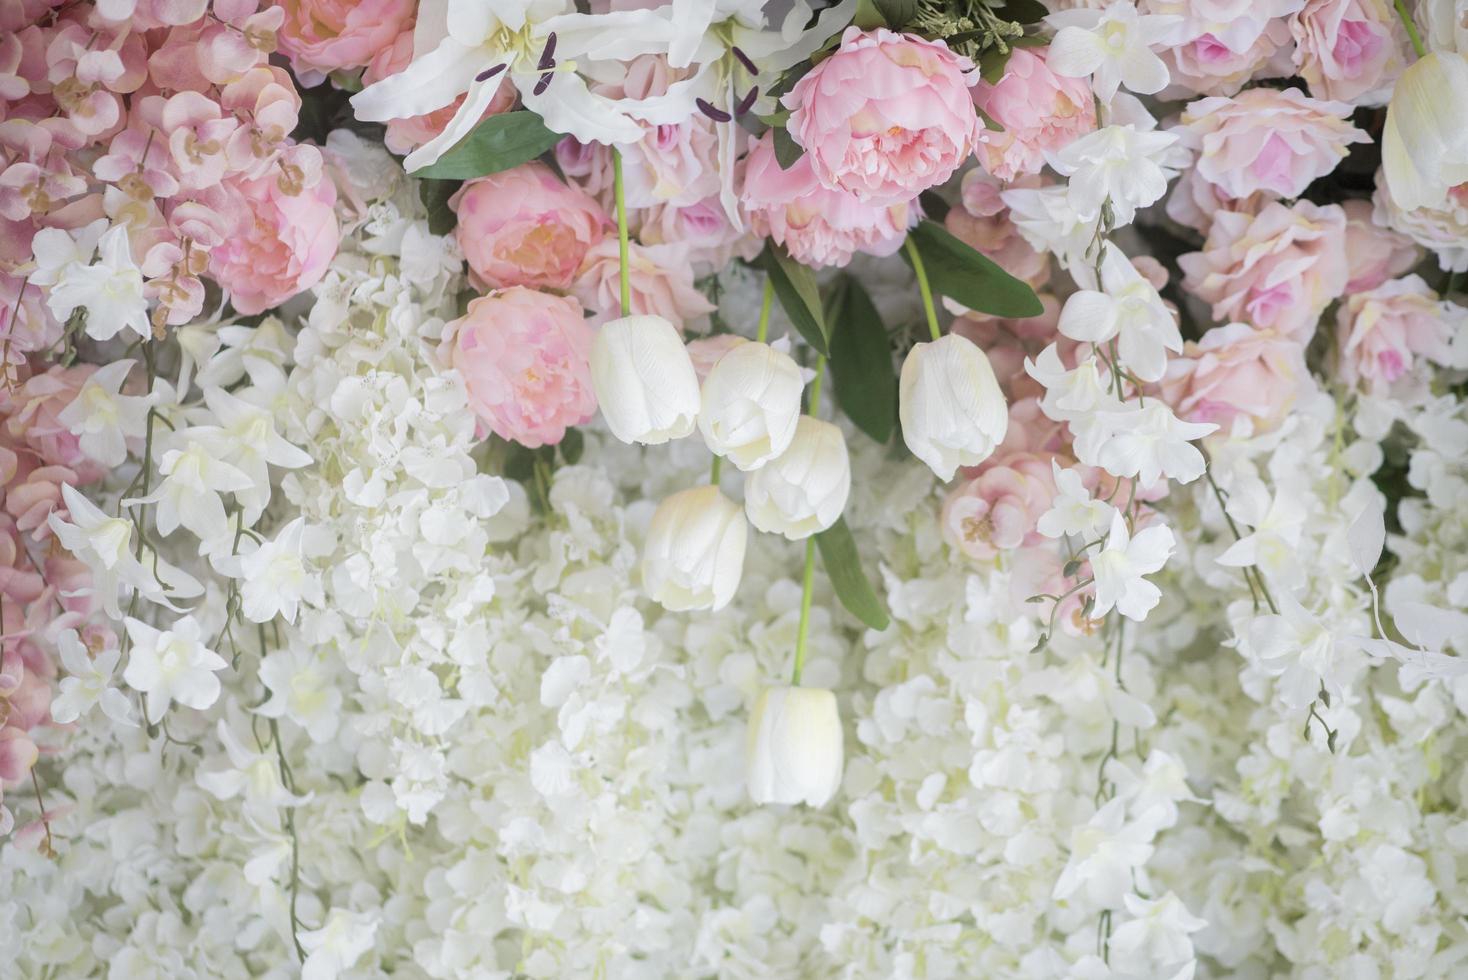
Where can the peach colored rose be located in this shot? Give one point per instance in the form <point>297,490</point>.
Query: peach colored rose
<point>1374,254</point>
<point>403,135</point>
<point>1040,112</point>
<point>886,116</point>
<point>998,509</point>
<point>525,227</point>
<point>1218,63</point>
<point>1193,202</point>
<point>320,36</point>
<point>1382,332</point>
<point>1278,269</point>
<point>818,226</point>
<point>1442,230</point>
<point>1349,50</point>
<point>280,245</point>
<point>1237,371</point>
<point>525,358</point>
<point>661,278</point>
<point>1266,139</point>
<point>982,222</point>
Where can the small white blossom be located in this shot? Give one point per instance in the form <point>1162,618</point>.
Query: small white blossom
<point>1121,565</point>
<point>88,683</point>
<point>1112,45</point>
<point>103,418</point>
<point>110,289</point>
<point>275,579</point>
<point>1149,442</point>
<point>172,665</point>
<point>1122,165</point>
<point>1103,854</point>
<point>1073,511</point>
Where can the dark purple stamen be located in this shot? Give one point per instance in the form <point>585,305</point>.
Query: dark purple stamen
<point>746,102</point>
<point>489,73</point>
<point>548,56</point>
<point>544,82</point>
<point>744,60</point>
<point>717,115</point>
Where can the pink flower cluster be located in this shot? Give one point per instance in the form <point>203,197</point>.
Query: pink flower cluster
<point>168,119</point>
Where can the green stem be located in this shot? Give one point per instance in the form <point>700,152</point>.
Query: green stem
<point>806,584</point>
<point>1412,34</point>
<point>621,197</point>
<point>716,470</point>
<point>924,288</point>
<point>813,404</point>
<point>764,311</point>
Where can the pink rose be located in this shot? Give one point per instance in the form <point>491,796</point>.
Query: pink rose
<point>1237,371</point>
<point>1442,230</point>
<point>998,509</point>
<point>886,116</point>
<point>703,228</point>
<point>674,163</point>
<point>1266,139</point>
<point>525,358</point>
<point>661,278</point>
<point>403,135</point>
<point>1349,50</point>
<point>1374,254</point>
<point>1382,331</point>
<point>1040,112</point>
<point>524,227</point>
<point>1278,269</point>
<point>982,222</point>
<point>706,351</point>
<point>280,245</point>
<point>1194,201</point>
<point>1220,63</point>
<point>320,36</point>
<point>820,227</point>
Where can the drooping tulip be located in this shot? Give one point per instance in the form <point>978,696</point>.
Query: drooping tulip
<point>952,411</point>
<point>644,380</point>
<point>694,553</point>
<point>750,405</point>
<point>803,490</point>
<point>794,747</point>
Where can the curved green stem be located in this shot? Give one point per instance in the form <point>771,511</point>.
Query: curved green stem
<point>764,311</point>
<point>924,288</point>
<point>806,584</point>
<point>617,191</point>
<point>813,404</point>
<point>1412,34</point>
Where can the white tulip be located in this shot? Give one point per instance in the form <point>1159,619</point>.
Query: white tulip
<point>794,747</point>
<point>694,554</point>
<point>804,489</point>
<point>1424,145</point>
<point>953,413</point>
<point>751,402</point>
<point>644,380</point>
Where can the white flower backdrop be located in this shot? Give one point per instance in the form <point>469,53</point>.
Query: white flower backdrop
<point>334,683</point>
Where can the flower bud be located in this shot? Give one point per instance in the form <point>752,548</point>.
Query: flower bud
<point>804,489</point>
<point>1424,146</point>
<point>794,747</point>
<point>751,402</point>
<point>694,553</point>
<point>644,380</point>
<point>953,413</point>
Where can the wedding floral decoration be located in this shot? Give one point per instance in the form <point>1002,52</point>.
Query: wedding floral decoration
<point>733,488</point>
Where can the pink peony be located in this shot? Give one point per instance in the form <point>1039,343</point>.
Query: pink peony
<point>525,227</point>
<point>525,360</point>
<point>998,509</point>
<point>1265,139</point>
<point>661,278</point>
<point>1278,269</point>
<point>982,222</point>
<point>1349,50</point>
<point>703,228</point>
<point>886,116</point>
<point>1194,201</point>
<point>321,36</point>
<point>1040,112</point>
<point>1237,371</point>
<point>1382,331</point>
<point>819,227</point>
<point>280,245</point>
<point>706,351</point>
<point>1374,254</point>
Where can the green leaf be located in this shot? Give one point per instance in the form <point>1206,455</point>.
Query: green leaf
<point>500,142</point>
<point>435,196</point>
<point>572,446</point>
<point>843,565</point>
<point>868,15</point>
<point>962,274</point>
<point>796,287</point>
<point>862,370</point>
<point>1022,11</point>
<point>897,13</point>
<point>787,151</point>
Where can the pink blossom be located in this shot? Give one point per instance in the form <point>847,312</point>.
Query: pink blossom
<point>661,278</point>
<point>1278,269</point>
<point>32,420</point>
<point>1374,254</point>
<point>1194,201</point>
<point>1349,50</point>
<point>818,226</point>
<point>998,509</point>
<point>525,360</point>
<point>706,351</point>
<point>1220,63</point>
<point>280,245</point>
<point>886,116</point>
<point>1382,332</point>
<point>321,36</point>
<point>1237,371</point>
<point>673,163</point>
<point>703,228</point>
<point>525,227</point>
<point>26,323</point>
<point>983,223</point>
<point>1040,112</point>
<point>1265,139</point>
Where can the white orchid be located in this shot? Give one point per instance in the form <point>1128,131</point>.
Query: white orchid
<point>88,683</point>
<point>189,494</point>
<point>1073,510</point>
<point>1075,394</point>
<point>1276,522</point>
<point>1298,647</point>
<point>1126,308</point>
<point>103,418</point>
<point>1121,565</point>
<point>1121,165</point>
<point>275,579</point>
<point>1114,46</point>
<point>246,439</point>
<point>1103,853</point>
<point>172,665</point>
<point>109,289</point>
<point>1149,442</point>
